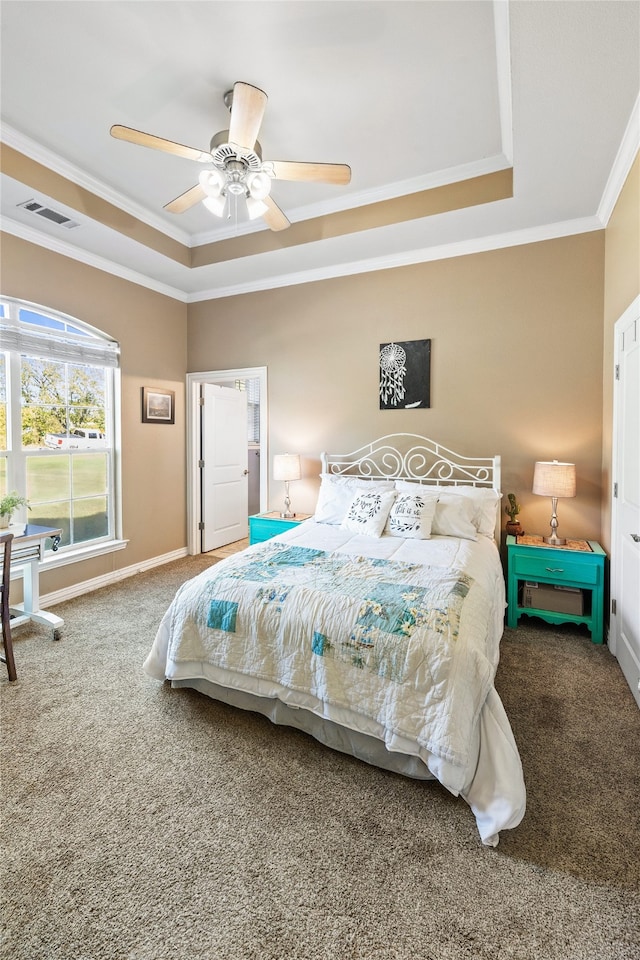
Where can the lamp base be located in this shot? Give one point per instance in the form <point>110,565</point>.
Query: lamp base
<point>555,541</point>
<point>287,515</point>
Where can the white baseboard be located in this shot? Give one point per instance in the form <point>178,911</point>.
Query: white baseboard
<point>87,586</point>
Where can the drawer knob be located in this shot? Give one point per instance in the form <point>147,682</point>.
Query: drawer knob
<point>554,570</point>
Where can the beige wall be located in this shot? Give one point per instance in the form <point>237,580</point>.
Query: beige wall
<point>516,363</point>
<point>516,370</point>
<point>151,330</point>
<point>622,286</point>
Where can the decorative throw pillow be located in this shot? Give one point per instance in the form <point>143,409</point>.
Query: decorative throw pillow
<point>336,494</point>
<point>368,512</point>
<point>484,502</point>
<point>411,516</point>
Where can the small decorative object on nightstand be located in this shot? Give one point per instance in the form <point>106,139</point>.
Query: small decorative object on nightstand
<point>513,508</point>
<point>558,584</point>
<point>263,526</point>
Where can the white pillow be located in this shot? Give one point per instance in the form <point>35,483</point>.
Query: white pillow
<point>336,494</point>
<point>485,500</point>
<point>454,517</point>
<point>368,512</point>
<point>411,516</point>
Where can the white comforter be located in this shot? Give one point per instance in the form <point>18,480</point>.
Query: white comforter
<point>380,663</point>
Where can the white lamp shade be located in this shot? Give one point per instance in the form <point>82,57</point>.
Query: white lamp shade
<point>255,208</point>
<point>554,479</point>
<point>215,205</point>
<point>258,185</point>
<point>286,466</point>
<point>212,182</point>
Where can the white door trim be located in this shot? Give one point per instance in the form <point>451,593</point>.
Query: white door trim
<point>633,310</point>
<point>193,441</point>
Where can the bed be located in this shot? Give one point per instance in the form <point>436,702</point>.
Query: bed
<point>374,626</point>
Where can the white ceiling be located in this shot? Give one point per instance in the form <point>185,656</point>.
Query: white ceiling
<point>410,94</point>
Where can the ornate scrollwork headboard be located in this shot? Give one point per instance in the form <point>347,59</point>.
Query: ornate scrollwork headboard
<point>408,456</point>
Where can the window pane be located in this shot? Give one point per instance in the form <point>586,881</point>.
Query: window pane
<point>55,514</point>
<point>89,474</point>
<point>44,390</point>
<point>39,320</point>
<point>90,519</point>
<point>48,478</point>
<point>87,390</point>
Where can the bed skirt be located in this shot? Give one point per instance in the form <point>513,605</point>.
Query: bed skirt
<point>494,785</point>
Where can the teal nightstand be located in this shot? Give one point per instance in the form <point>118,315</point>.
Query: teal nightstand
<point>263,526</point>
<point>535,569</point>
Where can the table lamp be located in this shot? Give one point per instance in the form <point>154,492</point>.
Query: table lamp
<point>286,467</point>
<point>555,480</point>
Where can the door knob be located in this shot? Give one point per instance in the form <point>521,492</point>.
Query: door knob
<point>636,537</point>
<point>245,472</point>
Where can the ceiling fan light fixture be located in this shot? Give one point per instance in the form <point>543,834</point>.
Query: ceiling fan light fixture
<point>259,185</point>
<point>215,205</point>
<point>212,182</point>
<point>256,208</point>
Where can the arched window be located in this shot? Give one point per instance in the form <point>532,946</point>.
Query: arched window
<point>57,422</point>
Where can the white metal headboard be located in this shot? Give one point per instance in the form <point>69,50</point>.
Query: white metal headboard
<point>408,456</point>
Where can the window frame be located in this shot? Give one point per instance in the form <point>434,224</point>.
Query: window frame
<point>98,350</point>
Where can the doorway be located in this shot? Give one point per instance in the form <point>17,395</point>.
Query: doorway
<point>224,378</point>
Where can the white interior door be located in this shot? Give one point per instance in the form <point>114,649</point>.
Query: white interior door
<point>625,541</point>
<point>224,486</point>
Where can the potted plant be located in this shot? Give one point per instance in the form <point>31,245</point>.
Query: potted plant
<point>514,527</point>
<point>9,503</point>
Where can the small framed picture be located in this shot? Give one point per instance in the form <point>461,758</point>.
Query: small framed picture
<point>158,406</point>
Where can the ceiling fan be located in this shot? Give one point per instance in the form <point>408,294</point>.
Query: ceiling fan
<point>235,167</point>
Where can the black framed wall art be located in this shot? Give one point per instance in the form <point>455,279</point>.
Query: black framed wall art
<point>405,375</point>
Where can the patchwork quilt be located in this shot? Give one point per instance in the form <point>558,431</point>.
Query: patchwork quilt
<point>397,642</point>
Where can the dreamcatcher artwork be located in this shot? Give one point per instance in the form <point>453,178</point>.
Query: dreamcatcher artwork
<point>405,375</point>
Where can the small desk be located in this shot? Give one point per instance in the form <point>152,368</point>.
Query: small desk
<point>26,553</point>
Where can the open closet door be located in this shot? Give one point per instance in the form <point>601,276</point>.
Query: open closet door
<point>224,486</point>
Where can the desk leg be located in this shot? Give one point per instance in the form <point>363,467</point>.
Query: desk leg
<point>30,608</point>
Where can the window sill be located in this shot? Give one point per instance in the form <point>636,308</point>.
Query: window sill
<point>52,560</point>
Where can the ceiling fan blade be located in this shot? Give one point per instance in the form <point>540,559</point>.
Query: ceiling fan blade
<point>339,173</point>
<point>186,200</point>
<point>157,143</point>
<point>274,217</point>
<point>247,110</point>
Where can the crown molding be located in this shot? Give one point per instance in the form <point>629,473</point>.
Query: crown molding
<point>38,153</point>
<point>461,248</point>
<point>625,157</point>
<point>89,259</point>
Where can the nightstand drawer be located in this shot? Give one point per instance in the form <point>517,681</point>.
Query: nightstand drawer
<point>559,568</point>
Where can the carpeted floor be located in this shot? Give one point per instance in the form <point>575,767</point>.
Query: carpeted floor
<point>145,823</point>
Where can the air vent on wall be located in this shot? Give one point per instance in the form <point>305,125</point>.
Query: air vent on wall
<point>60,218</point>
